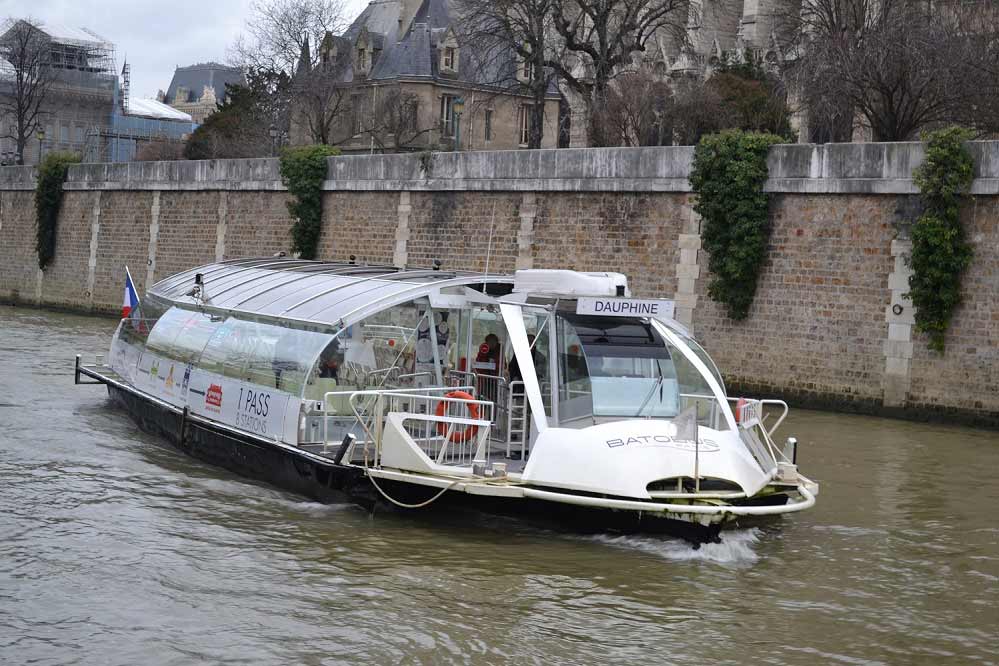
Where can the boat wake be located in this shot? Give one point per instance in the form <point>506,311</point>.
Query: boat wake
<point>735,548</point>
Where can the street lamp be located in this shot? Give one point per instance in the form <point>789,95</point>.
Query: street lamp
<point>273,131</point>
<point>457,106</point>
<point>41,137</point>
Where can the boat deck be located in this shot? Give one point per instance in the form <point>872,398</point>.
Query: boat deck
<point>497,453</point>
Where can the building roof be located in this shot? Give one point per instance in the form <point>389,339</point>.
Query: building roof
<point>414,53</point>
<point>63,34</point>
<point>150,108</point>
<point>195,77</point>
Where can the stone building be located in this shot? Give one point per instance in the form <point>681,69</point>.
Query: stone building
<point>78,105</point>
<point>404,81</point>
<point>197,89</point>
<point>87,109</point>
<point>711,29</point>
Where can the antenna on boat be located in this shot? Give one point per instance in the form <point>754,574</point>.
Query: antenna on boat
<point>198,293</point>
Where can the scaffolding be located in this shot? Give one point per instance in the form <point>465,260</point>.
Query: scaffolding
<point>79,58</point>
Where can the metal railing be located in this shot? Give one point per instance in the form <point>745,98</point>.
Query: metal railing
<point>517,418</point>
<point>450,431</point>
<point>752,419</point>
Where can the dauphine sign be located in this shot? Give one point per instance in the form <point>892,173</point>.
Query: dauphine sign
<point>626,307</point>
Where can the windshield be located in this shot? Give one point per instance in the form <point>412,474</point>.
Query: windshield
<point>621,367</point>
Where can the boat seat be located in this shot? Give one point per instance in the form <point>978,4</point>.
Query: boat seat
<point>339,404</point>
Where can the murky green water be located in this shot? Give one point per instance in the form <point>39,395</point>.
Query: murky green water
<point>117,549</point>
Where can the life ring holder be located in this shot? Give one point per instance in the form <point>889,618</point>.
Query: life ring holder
<point>458,436</point>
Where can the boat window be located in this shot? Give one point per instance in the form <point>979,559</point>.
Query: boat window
<point>488,357</point>
<point>705,359</point>
<point>264,354</point>
<point>380,350</point>
<point>538,333</point>
<point>141,321</point>
<point>621,367</point>
<point>181,335</point>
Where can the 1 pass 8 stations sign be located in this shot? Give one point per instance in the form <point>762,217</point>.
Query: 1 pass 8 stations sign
<point>626,307</point>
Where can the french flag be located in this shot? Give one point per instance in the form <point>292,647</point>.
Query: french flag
<point>131,300</point>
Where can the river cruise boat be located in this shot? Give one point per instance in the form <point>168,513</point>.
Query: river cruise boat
<point>548,392</point>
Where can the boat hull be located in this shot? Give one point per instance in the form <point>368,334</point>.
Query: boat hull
<point>327,482</point>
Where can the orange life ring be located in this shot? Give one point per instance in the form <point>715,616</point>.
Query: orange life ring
<point>739,405</point>
<point>468,433</point>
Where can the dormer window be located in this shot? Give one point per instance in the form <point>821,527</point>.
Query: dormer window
<point>525,70</point>
<point>450,55</point>
<point>362,60</point>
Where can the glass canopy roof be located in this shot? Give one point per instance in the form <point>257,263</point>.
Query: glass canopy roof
<point>313,291</point>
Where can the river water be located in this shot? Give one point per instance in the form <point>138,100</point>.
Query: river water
<point>117,549</point>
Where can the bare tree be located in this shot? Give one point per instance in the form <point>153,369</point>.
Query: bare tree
<point>513,40</point>
<point>638,110</point>
<point>899,65</point>
<point>322,100</point>
<point>603,36</point>
<point>26,78</point>
<point>394,125</point>
<point>158,150</point>
<point>277,31</point>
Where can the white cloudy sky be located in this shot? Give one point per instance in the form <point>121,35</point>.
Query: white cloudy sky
<point>154,36</point>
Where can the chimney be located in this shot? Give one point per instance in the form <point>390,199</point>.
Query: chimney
<point>407,11</point>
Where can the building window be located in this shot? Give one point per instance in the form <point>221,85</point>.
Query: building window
<point>362,60</point>
<point>524,123</point>
<point>489,125</point>
<point>528,70</point>
<point>449,54</point>
<point>79,134</point>
<point>447,116</point>
<point>410,112</point>
<point>64,133</point>
<point>358,116</point>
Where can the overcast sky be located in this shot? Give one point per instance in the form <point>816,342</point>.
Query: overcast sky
<point>154,36</point>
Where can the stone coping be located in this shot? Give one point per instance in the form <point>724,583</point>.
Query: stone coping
<point>849,168</point>
<point>18,178</point>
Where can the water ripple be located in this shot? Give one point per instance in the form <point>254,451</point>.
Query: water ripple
<point>115,548</point>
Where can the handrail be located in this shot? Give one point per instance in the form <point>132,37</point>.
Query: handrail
<point>782,416</point>
<point>424,394</point>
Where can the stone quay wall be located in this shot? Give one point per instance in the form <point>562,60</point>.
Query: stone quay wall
<point>822,331</point>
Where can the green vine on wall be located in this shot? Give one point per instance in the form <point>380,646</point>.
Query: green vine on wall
<point>728,174</point>
<point>48,200</point>
<point>940,252</point>
<point>303,170</point>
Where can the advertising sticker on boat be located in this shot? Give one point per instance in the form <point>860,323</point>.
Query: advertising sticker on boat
<point>258,409</point>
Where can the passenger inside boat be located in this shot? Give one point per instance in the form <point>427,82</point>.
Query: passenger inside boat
<point>330,361</point>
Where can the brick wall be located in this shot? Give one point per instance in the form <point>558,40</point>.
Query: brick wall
<point>967,374</point>
<point>18,261</point>
<point>816,327</point>
<point>66,278</point>
<point>634,234</point>
<point>187,230</point>
<point>821,330</point>
<point>362,224</point>
<point>123,240</point>
<point>257,224</point>
<point>462,228</point>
